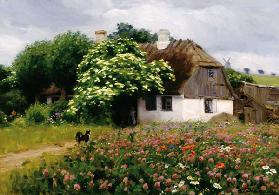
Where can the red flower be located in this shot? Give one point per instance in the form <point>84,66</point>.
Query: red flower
<point>220,165</point>
<point>188,147</point>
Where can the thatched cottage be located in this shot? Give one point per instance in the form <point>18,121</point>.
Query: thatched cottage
<point>201,89</point>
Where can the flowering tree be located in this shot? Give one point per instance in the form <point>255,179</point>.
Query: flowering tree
<point>113,68</point>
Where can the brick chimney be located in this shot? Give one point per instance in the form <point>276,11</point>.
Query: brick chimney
<point>163,38</point>
<point>100,35</point>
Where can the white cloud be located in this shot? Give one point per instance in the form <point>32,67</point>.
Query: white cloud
<point>245,30</point>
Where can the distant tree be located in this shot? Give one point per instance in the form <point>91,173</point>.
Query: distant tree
<point>13,100</point>
<point>236,78</point>
<point>32,69</point>
<point>4,72</point>
<point>67,52</point>
<point>260,71</point>
<point>125,30</point>
<point>246,70</point>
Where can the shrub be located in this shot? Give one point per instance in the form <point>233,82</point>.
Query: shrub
<point>3,118</point>
<point>37,113</point>
<point>13,101</point>
<point>236,78</point>
<point>58,107</point>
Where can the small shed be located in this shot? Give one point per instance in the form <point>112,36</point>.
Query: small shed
<point>257,103</point>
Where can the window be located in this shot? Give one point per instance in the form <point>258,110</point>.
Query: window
<point>150,103</point>
<point>208,106</point>
<point>211,74</point>
<point>166,103</point>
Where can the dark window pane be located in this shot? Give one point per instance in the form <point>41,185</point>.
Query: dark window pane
<point>211,73</point>
<point>208,106</point>
<point>150,103</point>
<point>167,103</point>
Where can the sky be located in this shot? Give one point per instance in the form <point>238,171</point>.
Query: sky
<point>247,31</point>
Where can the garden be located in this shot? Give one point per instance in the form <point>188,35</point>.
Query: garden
<point>164,158</point>
<point>156,158</point>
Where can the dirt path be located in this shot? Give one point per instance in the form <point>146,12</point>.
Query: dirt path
<point>14,160</point>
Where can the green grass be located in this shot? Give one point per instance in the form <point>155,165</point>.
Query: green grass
<point>5,185</point>
<point>19,138</point>
<point>266,80</point>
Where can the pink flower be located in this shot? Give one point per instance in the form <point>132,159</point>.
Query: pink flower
<point>66,178</point>
<point>235,191</point>
<point>125,166</point>
<point>77,187</point>
<point>91,184</point>
<point>161,178</point>
<point>45,172</point>
<point>263,188</point>
<point>201,158</point>
<point>211,160</point>
<point>168,182</point>
<point>218,175</point>
<point>157,185</point>
<point>245,176</point>
<point>145,186</point>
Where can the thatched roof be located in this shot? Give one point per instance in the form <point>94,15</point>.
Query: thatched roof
<point>184,56</point>
<point>52,90</point>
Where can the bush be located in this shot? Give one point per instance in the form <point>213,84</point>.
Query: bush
<point>3,118</point>
<point>13,101</point>
<point>236,78</point>
<point>58,107</point>
<point>37,113</point>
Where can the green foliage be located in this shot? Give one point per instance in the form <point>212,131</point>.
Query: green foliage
<point>236,78</point>
<point>37,113</point>
<point>7,79</point>
<point>3,72</point>
<point>13,101</point>
<point>58,107</point>
<point>125,30</point>
<point>67,51</point>
<point>111,69</point>
<point>3,118</point>
<point>32,67</point>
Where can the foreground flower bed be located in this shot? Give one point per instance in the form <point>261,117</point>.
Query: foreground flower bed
<point>180,160</point>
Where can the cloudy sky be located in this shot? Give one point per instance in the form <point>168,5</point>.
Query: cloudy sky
<point>247,31</point>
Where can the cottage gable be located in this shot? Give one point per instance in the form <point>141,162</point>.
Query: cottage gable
<point>197,73</point>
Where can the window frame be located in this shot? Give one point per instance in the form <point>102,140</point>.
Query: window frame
<point>153,106</point>
<point>165,107</point>
<point>211,74</point>
<point>207,106</point>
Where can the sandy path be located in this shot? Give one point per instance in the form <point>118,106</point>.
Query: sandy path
<point>15,160</point>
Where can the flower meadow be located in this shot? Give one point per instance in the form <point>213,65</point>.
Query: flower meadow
<point>174,159</point>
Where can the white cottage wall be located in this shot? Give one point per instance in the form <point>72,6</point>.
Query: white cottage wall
<point>184,109</point>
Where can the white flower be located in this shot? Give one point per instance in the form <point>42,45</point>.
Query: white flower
<point>195,182</point>
<point>217,186</point>
<point>190,178</point>
<point>268,173</point>
<point>181,183</point>
<point>273,171</point>
<point>167,166</point>
<point>265,167</point>
<point>181,165</point>
<point>238,160</point>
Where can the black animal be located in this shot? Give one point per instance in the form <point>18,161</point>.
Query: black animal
<point>80,137</point>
